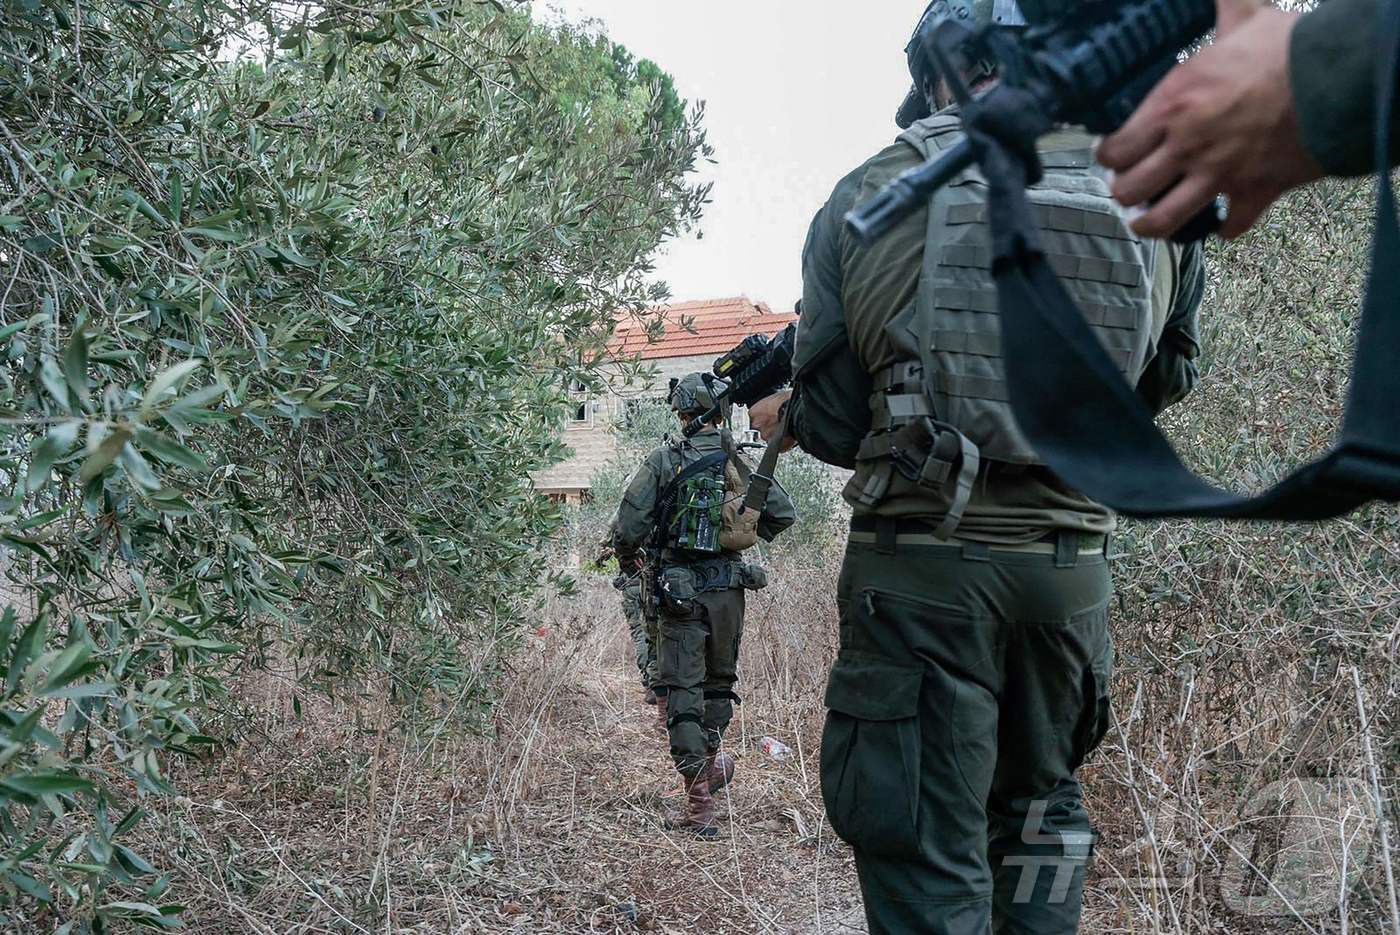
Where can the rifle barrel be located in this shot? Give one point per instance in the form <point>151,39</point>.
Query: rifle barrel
<point>906,193</point>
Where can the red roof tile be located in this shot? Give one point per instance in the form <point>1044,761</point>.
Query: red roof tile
<point>717,325</point>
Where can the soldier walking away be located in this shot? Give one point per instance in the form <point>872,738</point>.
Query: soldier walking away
<point>683,507</point>
<point>973,674</point>
<point>643,640</point>
<point>641,626</point>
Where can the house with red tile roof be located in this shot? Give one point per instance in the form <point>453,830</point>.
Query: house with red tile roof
<point>695,334</point>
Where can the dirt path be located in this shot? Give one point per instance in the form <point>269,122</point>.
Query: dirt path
<point>590,846</point>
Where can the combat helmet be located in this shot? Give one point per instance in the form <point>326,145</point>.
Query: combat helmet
<point>694,394</point>
<point>973,13</point>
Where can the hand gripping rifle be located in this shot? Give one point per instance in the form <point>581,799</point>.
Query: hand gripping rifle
<point>1092,68</point>
<point>756,369</point>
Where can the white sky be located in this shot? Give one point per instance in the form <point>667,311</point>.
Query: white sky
<point>797,93</point>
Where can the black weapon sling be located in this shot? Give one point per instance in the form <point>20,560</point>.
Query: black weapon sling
<point>1093,431</point>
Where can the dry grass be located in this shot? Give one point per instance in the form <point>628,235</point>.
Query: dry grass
<point>343,821</point>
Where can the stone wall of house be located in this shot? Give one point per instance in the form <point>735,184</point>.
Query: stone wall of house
<point>591,440</point>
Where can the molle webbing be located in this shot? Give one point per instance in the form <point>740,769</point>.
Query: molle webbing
<point>905,439</point>
<point>957,325</point>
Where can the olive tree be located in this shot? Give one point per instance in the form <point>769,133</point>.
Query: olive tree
<point>291,296</point>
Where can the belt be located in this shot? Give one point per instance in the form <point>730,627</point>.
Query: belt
<point>1058,542</point>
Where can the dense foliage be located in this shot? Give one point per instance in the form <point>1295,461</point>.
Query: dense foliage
<point>292,297</point>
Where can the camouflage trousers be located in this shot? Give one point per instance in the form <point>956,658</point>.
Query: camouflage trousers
<point>643,638</point>
<point>697,667</point>
<point>969,687</point>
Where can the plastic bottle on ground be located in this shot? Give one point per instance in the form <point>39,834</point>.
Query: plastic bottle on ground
<point>775,748</point>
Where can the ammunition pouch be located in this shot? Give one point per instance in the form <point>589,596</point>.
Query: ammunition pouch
<point>907,441</point>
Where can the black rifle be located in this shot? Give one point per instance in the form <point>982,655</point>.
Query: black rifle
<point>756,369</point>
<point>1092,69</point>
<point>1084,420</point>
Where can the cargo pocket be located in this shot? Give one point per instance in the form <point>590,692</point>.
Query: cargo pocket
<point>870,754</point>
<point>1096,717</point>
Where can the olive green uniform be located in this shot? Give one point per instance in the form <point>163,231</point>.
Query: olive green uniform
<point>702,605</point>
<point>1332,61</point>
<point>643,637</point>
<point>972,678</point>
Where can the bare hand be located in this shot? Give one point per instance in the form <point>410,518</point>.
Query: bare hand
<point>1221,123</point>
<point>765,417</point>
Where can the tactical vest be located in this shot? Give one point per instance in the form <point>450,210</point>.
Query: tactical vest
<point>937,417</point>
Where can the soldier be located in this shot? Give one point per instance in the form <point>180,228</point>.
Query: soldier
<point>681,507</point>
<point>973,672</point>
<point>643,641</point>
<point>639,626</point>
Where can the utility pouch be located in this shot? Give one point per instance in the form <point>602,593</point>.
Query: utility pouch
<point>677,586</point>
<point>740,526</point>
<point>923,452</point>
<point>753,577</point>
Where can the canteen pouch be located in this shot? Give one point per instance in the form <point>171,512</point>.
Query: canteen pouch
<point>753,577</point>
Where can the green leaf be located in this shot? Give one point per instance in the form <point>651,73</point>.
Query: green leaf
<point>29,646</point>
<point>44,455</point>
<point>75,363</point>
<point>199,399</point>
<point>224,236</point>
<point>46,783</point>
<point>22,731</point>
<point>167,380</point>
<point>215,646</point>
<point>85,690</point>
<point>10,222</point>
<point>136,201</point>
<point>131,907</point>
<point>16,327</point>
<point>135,861</point>
<point>54,382</point>
<point>137,469</point>
<point>65,667</point>
<point>106,453</point>
<point>30,885</point>
<point>169,450</point>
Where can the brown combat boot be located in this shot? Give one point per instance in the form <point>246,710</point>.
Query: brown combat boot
<point>662,719</point>
<point>719,770</point>
<point>698,815</point>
